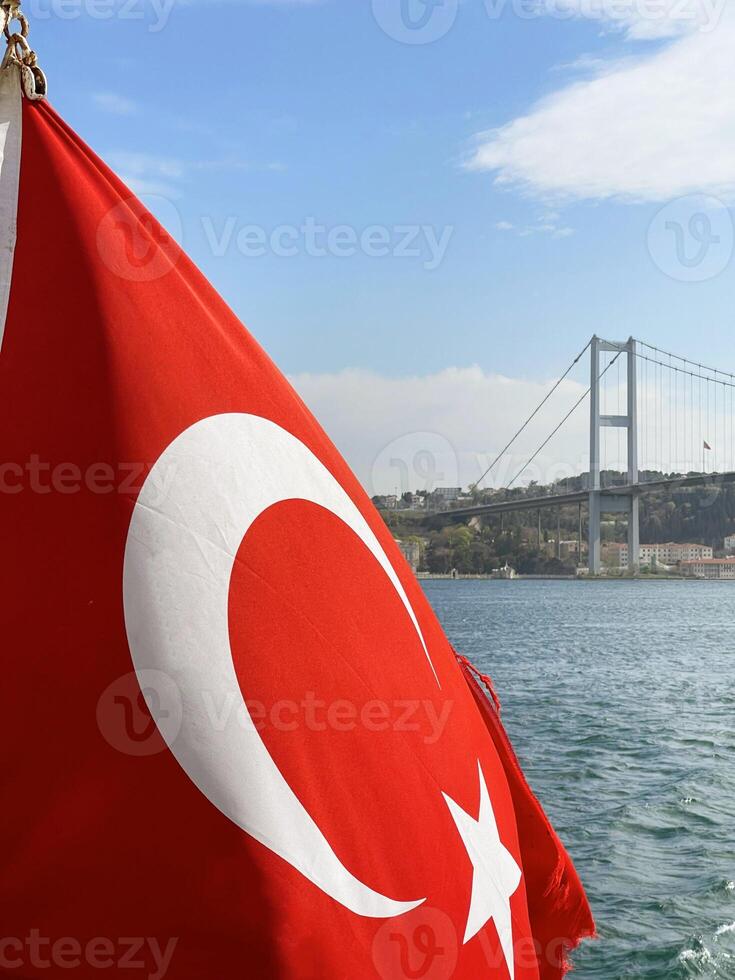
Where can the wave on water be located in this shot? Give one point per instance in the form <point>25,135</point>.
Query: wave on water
<point>618,699</point>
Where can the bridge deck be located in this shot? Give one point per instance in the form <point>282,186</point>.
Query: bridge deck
<point>709,480</point>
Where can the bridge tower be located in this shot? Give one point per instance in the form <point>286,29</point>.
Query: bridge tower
<point>620,502</point>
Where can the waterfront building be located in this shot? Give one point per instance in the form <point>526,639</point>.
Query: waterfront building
<point>447,494</point>
<point>721,568</point>
<point>668,553</point>
<point>730,544</point>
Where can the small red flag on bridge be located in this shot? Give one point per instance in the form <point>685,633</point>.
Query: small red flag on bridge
<point>233,726</point>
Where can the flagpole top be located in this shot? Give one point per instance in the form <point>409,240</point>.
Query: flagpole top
<point>19,51</point>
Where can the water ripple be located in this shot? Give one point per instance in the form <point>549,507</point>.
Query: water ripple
<point>619,698</point>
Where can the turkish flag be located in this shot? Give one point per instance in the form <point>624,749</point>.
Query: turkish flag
<point>236,740</point>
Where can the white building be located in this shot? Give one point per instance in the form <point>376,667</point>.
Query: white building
<point>730,543</point>
<point>710,568</point>
<point>670,553</point>
<point>447,494</point>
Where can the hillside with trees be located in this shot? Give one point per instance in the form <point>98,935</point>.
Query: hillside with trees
<point>480,545</point>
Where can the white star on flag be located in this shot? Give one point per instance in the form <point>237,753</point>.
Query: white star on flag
<point>496,875</point>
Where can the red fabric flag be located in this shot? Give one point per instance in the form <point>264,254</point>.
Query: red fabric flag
<point>237,741</point>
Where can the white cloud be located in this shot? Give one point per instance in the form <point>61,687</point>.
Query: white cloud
<point>147,173</point>
<point>642,19</point>
<point>547,224</point>
<point>445,428</point>
<point>141,186</point>
<point>116,104</point>
<point>651,129</point>
<point>146,164</point>
<point>583,64</point>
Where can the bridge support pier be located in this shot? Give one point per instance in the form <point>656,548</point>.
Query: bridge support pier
<point>634,535</point>
<point>598,421</point>
<point>579,536</point>
<point>558,533</point>
<point>593,531</point>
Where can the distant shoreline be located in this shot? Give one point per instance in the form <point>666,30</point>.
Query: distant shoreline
<point>437,576</point>
<point>440,577</point>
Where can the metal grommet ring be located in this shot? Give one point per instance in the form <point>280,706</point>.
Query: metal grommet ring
<point>34,82</point>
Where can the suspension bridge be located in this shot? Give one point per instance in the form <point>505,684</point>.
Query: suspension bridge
<point>673,413</point>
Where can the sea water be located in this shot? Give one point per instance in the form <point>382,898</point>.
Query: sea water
<point>619,697</point>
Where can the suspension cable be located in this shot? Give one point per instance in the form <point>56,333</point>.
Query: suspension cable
<point>686,360</point>
<point>693,374</point>
<point>569,413</point>
<point>533,414</point>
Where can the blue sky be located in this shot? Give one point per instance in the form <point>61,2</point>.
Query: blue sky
<point>524,156</point>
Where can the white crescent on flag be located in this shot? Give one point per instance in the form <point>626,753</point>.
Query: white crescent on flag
<point>219,476</point>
